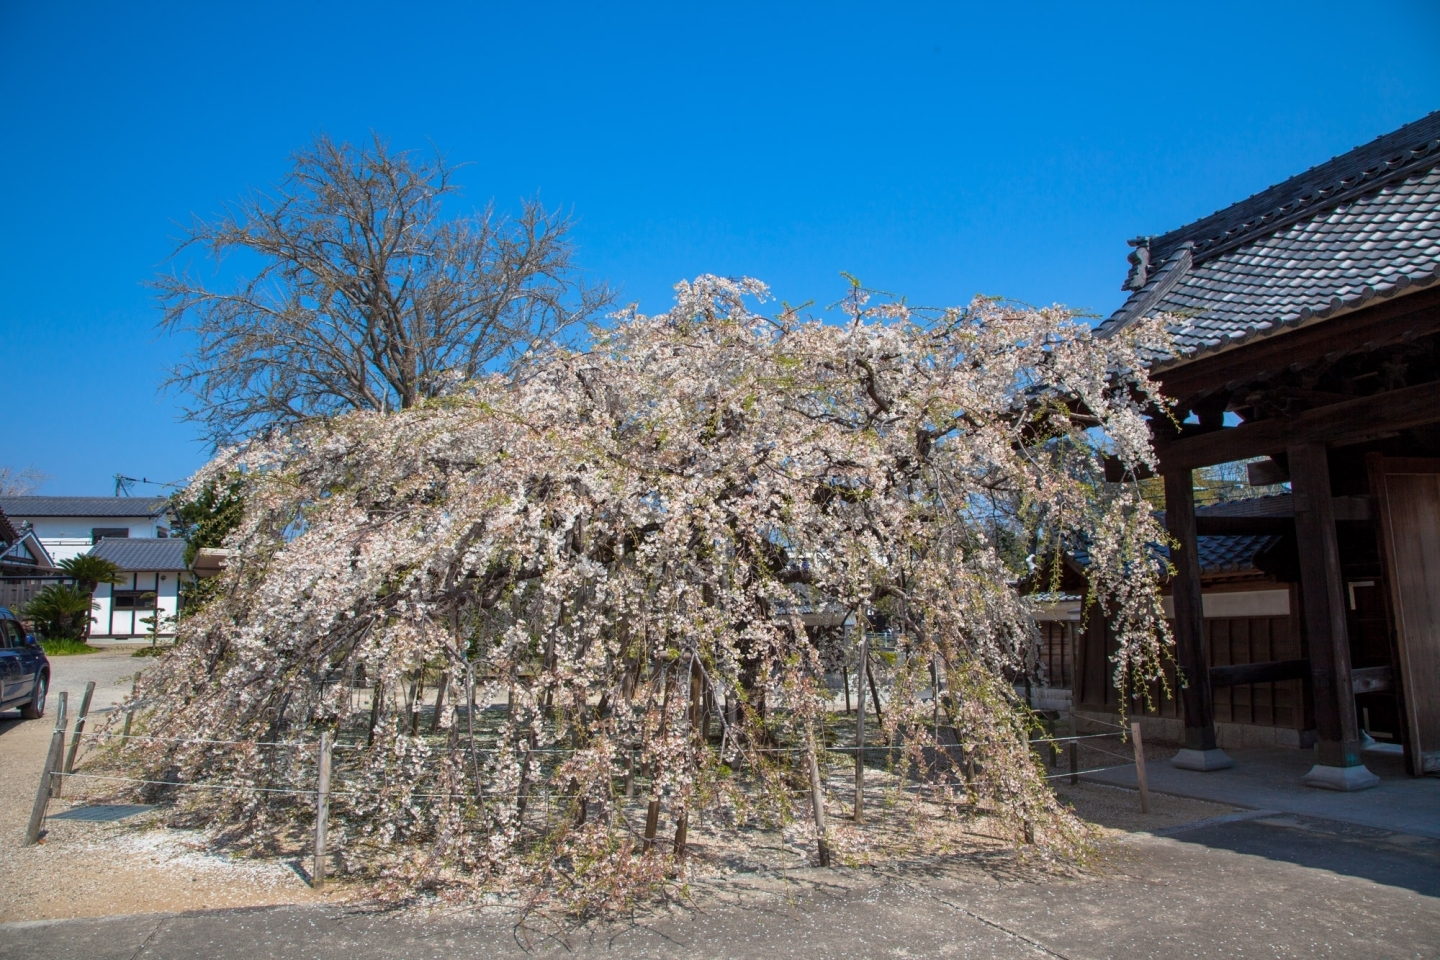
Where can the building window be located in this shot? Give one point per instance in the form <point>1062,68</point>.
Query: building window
<point>114,533</point>
<point>134,599</point>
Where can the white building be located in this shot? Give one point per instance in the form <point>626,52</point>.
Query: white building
<point>70,526</point>
<point>153,571</point>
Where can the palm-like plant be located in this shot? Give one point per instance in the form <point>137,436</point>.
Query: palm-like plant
<point>60,612</point>
<point>89,572</point>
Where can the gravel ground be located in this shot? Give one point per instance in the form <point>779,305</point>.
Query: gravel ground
<point>90,869</point>
<point>135,865</point>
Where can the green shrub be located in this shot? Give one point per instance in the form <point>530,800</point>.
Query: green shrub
<point>66,647</point>
<point>60,612</point>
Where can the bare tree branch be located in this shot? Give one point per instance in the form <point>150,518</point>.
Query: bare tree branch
<point>356,293</point>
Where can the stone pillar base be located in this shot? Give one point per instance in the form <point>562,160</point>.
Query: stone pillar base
<point>1340,778</point>
<point>1202,760</point>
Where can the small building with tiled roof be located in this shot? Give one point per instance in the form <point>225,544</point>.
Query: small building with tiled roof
<point>1305,326</point>
<point>147,600</point>
<point>70,526</point>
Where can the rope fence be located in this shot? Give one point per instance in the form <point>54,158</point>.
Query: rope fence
<point>58,769</point>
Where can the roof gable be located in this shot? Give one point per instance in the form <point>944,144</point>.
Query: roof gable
<point>150,507</point>
<point>1364,225</point>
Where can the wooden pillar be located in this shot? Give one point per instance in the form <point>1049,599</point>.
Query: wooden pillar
<point>1201,752</point>
<point>1323,597</point>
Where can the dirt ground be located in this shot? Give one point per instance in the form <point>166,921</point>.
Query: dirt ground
<point>135,865</point>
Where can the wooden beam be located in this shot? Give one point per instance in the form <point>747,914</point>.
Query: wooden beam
<point>1372,680</point>
<point>1273,671</point>
<point>1323,600</point>
<point>1404,318</point>
<point>1357,420</point>
<point>1271,516</point>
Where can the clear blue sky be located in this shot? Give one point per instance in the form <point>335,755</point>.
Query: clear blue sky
<point>936,151</point>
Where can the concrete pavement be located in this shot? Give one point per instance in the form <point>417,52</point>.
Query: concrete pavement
<point>1268,886</point>
<point>1268,778</point>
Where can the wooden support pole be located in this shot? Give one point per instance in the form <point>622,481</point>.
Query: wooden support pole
<point>817,800</point>
<point>79,726</point>
<point>1140,767</point>
<point>62,713</point>
<point>1323,597</point>
<point>47,777</point>
<point>440,701</point>
<point>652,823</point>
<point>417,700</point>
<point>130,711</point>
<point>1201,750</point>
<point>682,832</point>
<point>864,659</point>
<point>874,690</point>
<point>1074,761</point>
<point>845,682</point>
<point>377,696</point>
<point>322,813</point>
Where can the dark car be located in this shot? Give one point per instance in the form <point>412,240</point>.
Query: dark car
<point>24,669</point>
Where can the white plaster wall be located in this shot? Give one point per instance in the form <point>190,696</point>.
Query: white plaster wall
<point>127,623</point>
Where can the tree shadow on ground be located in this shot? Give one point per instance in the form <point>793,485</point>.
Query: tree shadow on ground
<point>1381,856</point>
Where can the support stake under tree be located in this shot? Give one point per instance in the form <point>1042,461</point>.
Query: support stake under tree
<point>1140,767</point>
<point>864,659</point>
<point>79,726</point>
<point>130,711</point>
<point>817,798</point>
<point>322,812</point>
<point>47,776</point>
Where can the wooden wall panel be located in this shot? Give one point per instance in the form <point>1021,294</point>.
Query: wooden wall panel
<point>1408,498</point>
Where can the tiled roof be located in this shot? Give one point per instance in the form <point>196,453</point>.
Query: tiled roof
<point>85,506</point>
<point>7,532</point>
<point>1231,554</point>
<point>1218,554</point>
<point>1364,225</point>
<point>142,554</point>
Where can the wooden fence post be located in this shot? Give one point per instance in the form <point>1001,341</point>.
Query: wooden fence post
<point>682,833</point>
<point>1074,761</point>
<point>652,823</point>
<point>79,726</point>
<point>817,800</point>
<point>322,813</point>
<point>52,763</point>
<point>62,712</point>
<point>1140,767</point>
<point>864,659</point>
<point>130,711</point>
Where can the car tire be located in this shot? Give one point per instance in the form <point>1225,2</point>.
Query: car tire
<point>35,709</point>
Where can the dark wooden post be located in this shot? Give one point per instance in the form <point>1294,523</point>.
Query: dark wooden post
<point>1323,597</point>
<point>862,660</point>
<point>1201,751</point>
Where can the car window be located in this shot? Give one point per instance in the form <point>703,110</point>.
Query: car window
<point>9,636</point>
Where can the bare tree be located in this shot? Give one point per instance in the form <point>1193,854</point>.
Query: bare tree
<point>19,482</point>
<point>357,293</point>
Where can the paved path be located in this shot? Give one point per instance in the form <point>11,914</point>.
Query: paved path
<point>1269,779</point>
<point>1263,887</point>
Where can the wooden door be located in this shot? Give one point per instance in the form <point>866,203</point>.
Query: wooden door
<point>1407,493</point>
